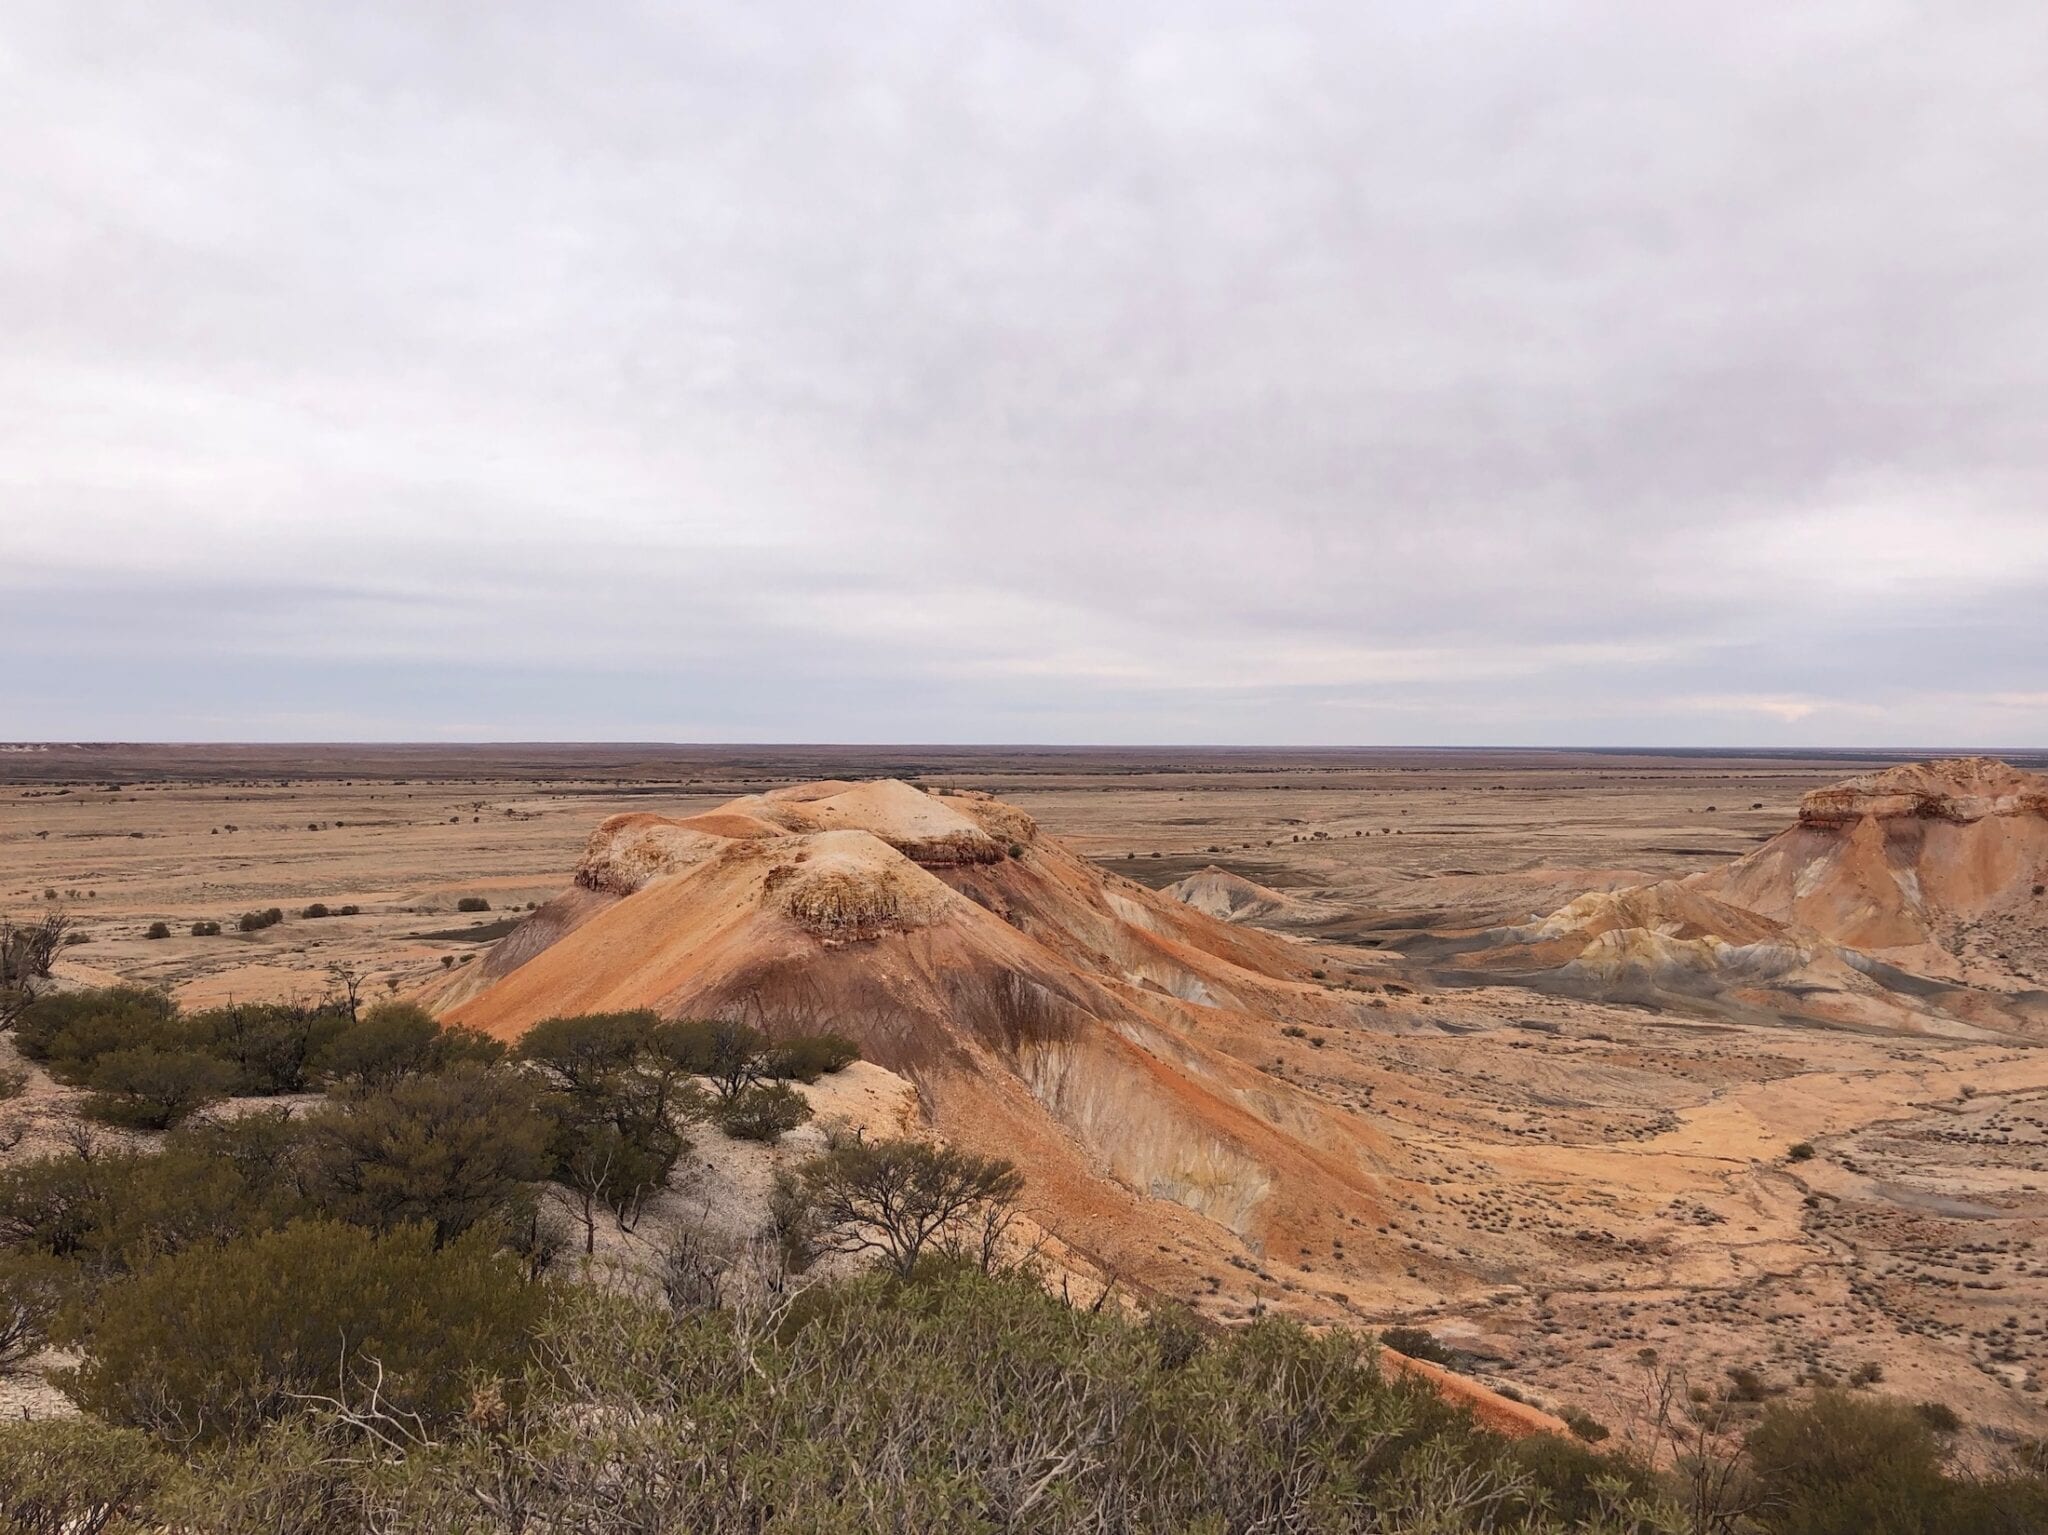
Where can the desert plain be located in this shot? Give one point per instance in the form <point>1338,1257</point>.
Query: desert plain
<point>1577,1183</point>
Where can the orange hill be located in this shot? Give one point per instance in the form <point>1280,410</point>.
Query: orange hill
<point>1046,1010</point>
<point>1905,859</point>
<point>1908,899</point>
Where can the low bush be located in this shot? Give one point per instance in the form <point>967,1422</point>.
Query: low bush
<point>152,1089</point>
<point>69,1031</point>
<point>808,1057</point>
<point>472,903</point>
<point>215,1341</point>
<point>1584,1424</point>
<point>158,930</point>
<point>271,1046</point>
<point>32,1287</point>
<point>257,921</point>
<point>206,930</point>
<point>77,1476</point>
<point>316,911</point>
<point>1843,1464</point>
<point>449,1150</point>
<point>1416,1343</point>
<point>764,1112</point>
<point>395,1038</point>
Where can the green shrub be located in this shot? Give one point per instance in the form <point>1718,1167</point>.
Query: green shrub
<point>214,1341</point>
<point>12,1083</point>
<point>1579,1484</point>
<point>731,1054</point>
<point>270,1045</point>
<point>584,1053</point>
<point>899,1199</point>
<point>1584,1424</point>
<point>1940,1417</point>
<point>52,1204</point>
<point>1416,1343</point>
<point>386,1042</point>
<point>764,1112</point>
<point>206,930</point>
<point>32,1286</point>
<point>210,1185</point>
<point>448,1150</point>
<point>257,921</point>
<point>316,911</point>
<point>472,903</point>
<point>1802,1151</point>
<point>809,1057</point>
<point>70,1031</point>
<point>76,1476</point>
<point>158,930</point>
<point>1843,1464</point>
<point>151,1089</point>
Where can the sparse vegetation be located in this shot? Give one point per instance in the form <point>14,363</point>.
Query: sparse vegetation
<point>1416,1344</point>
<point>765,1111</point>
<point>472,903</point>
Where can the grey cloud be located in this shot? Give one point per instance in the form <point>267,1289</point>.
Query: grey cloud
<point>1196,372</point>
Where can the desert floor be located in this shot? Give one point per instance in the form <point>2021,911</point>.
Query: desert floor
<point>1602,1181</point>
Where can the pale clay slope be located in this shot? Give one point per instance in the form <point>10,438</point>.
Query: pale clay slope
<point>1862,914</point>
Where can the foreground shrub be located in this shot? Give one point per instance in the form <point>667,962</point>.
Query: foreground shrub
<point>213,1342</point>
<point>809,1057</point>
<point>206,930</point>
<point>764,1112</point>
<point>395,1038</point>
<point>1844,1464</point>
<point>151,1089</point>
<point>1416,1343</point>
<point>32,1287</point>
<point>958,1402</point>
<point>76,1476</point>
<point>472,903</point>
<point>450,1150</point>
<point>271,1045</point>
<point>70,1031</point>
<point>897,1199</point>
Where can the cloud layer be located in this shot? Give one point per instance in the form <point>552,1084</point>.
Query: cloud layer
<point>1318,373</point>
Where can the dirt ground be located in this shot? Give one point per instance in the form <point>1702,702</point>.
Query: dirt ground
<point>1602,1181</point>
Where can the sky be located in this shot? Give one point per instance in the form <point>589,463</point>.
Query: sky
<point>1277,373</point>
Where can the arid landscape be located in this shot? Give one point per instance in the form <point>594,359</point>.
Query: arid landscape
<point>1592,1064</point>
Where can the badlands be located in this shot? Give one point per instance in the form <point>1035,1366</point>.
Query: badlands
<point>1579,1061</point>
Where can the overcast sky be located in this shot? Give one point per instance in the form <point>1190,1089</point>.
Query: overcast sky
<point>1411,372</point>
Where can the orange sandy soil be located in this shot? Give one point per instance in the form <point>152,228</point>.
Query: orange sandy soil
<point>1578,1181</point>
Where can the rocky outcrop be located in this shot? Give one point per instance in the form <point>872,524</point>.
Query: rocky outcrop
<point>1958,790</point>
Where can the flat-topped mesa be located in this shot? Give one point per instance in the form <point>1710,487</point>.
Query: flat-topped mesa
<point>1955,789</point>
<point>936,832</point>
